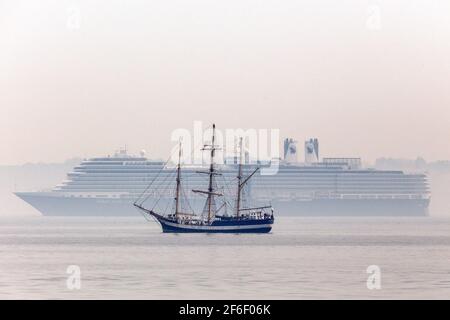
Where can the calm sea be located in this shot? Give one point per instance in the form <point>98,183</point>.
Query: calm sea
<point>303,258</point>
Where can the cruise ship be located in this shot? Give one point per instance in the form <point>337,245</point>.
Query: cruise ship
<point>108,186</point>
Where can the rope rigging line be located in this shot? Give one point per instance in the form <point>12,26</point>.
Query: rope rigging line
<point>161,183</point>
<point>171,175</point>
<point>154,179</point>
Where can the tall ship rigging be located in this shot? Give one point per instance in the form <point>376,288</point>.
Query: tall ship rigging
<point>212,220</point>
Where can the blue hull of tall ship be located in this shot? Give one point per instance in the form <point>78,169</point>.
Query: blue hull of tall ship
<point>228,225</point>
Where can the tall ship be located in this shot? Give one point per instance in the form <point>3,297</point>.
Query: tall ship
<point>214,218</point>
<point>108,186</point>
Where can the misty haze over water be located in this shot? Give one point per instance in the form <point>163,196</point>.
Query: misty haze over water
<point>370,79</point>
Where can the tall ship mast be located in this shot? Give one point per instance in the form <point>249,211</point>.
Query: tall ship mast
<point>210,205</point>
<point>245,220</point>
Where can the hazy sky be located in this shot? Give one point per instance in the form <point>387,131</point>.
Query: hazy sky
<point>82,78</point>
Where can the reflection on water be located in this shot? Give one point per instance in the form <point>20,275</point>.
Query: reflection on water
<point>301,258</point>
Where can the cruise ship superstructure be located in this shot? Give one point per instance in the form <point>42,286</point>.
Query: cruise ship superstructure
<point>333,186</point>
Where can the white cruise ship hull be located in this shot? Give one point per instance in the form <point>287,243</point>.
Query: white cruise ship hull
<point>56,205</point>
<point>51,204</point>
